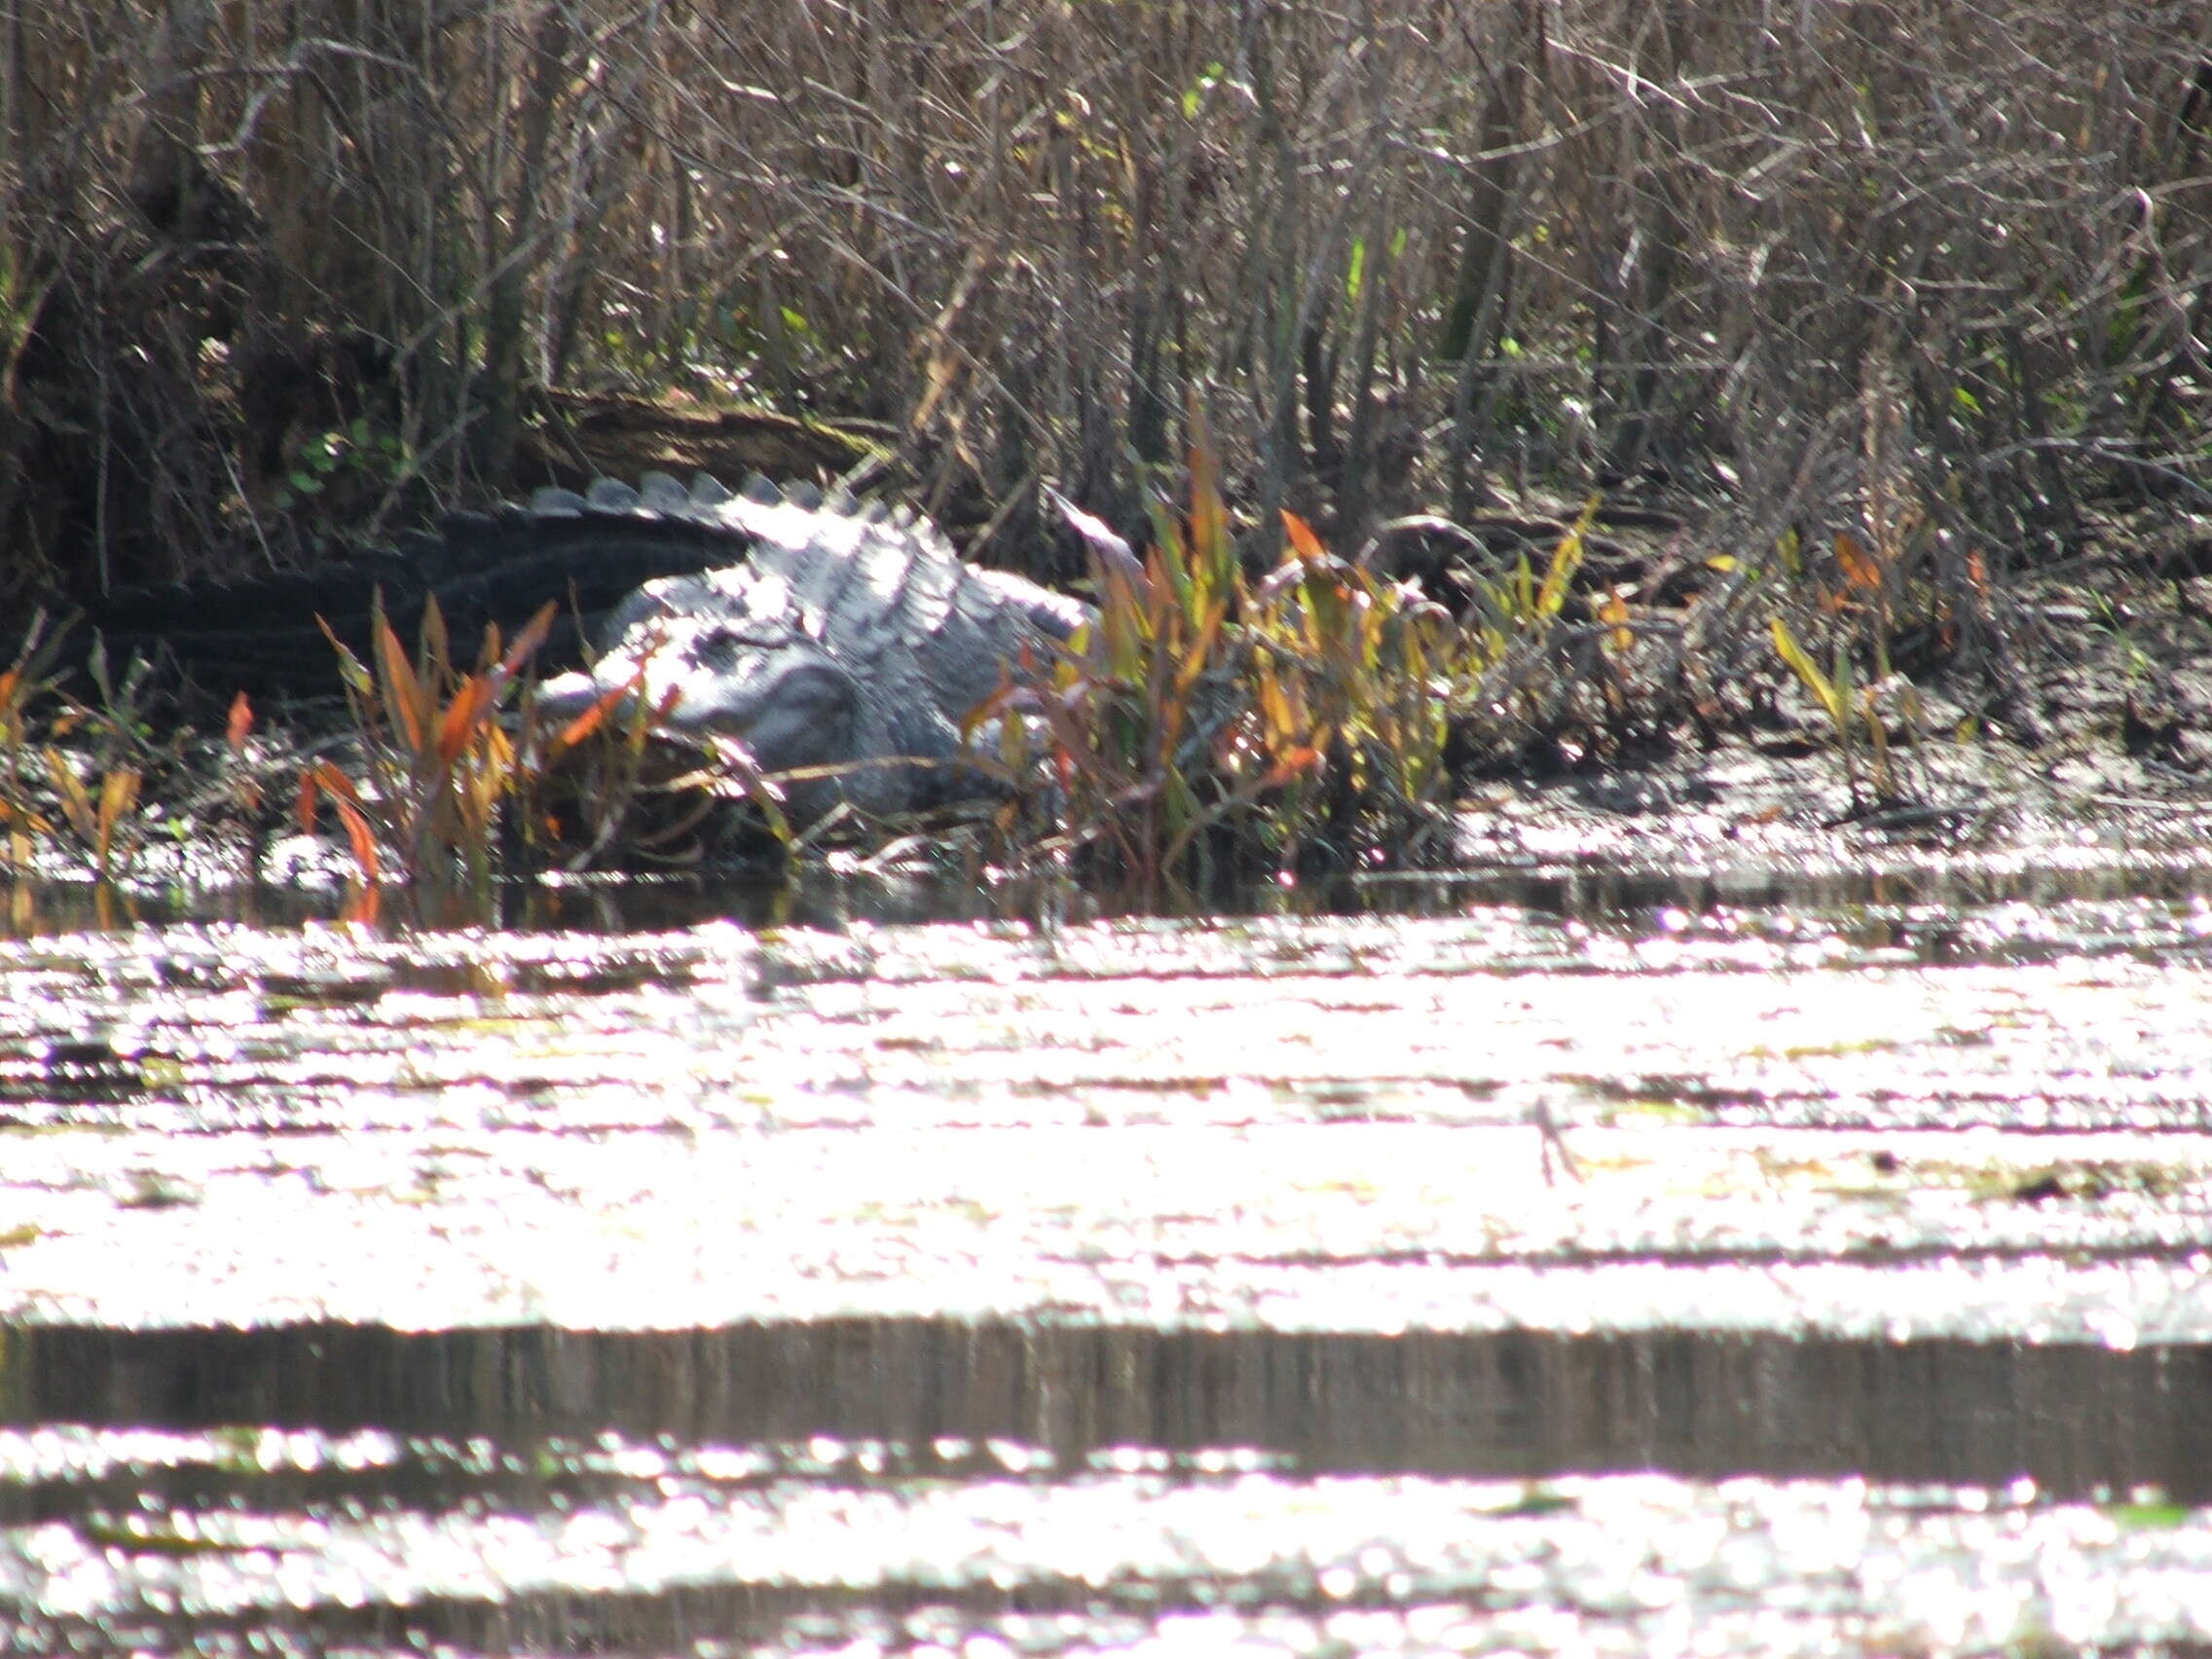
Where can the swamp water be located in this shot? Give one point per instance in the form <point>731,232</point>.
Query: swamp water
<point>1558,1260</point>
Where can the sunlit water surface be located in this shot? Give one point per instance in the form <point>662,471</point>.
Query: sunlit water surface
<point>1555,1260</point>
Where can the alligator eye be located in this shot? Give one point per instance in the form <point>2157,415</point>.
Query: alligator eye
<point>720,650</point>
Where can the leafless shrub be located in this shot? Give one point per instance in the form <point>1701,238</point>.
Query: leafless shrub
<point>1931,274</point>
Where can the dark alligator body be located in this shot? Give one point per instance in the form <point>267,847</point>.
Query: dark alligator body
<point>823,634</point>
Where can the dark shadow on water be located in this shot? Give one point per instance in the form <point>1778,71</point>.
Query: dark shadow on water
<point>1518,1403</point>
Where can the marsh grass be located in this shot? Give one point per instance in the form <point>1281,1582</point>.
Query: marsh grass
<point>462,778</point>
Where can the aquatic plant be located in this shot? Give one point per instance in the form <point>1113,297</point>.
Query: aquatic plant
<point>1856,609</point>
<point>1850,709</point>
<point>85,784</point>
<point>440,768</point>
<point>1203,726</point>
<point>463,778</point>
<point>23,683</point>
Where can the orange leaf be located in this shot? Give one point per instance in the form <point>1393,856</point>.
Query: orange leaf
<point>119,795</point>
<point>1303,540</point>
<point>593,718</point>
<point>335,783</point>
<point>531,638</point>
<point>463,716</point>
<point>324,778</point>
<point>403,693</point>
<point>241,724</point>
<point>76,804</point>
<point>1612,612</point>
<point>361,838</point>
<point>1860,569</point>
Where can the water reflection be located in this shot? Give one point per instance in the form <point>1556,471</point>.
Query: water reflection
<point>1596,886</point>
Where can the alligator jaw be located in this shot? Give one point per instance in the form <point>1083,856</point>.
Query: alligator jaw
<point>788,711</point>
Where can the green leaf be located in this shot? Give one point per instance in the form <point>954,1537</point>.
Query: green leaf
<point>2155,1517</point>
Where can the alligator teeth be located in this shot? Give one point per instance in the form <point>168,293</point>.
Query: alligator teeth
<point>707,491</point>
<point>611,494</point>
<point>807,497</point>
<point>759,489</point>
<point>552,502</point>
<point>842,502</point>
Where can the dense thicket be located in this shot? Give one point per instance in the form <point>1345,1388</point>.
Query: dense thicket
<point>1932,272</point>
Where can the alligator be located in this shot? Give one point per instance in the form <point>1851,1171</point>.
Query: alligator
<point>850,646</point>
<point>839,640</point>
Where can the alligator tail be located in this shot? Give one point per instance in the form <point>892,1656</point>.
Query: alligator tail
<point>265,635</point>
